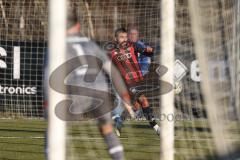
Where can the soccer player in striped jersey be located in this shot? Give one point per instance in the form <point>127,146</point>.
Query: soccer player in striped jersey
<point>125,58</point>
<point>144,54</point>
<point>144,60</point>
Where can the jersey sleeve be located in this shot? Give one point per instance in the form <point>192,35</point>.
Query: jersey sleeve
<point>140,47</point>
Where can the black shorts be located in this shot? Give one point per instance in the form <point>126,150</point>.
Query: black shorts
<point>151,86</point>
<point>148,87</point>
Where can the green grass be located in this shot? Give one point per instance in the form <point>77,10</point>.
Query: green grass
<point>18,143</point>
<point>23,140</point>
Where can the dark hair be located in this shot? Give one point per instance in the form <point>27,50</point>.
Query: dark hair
<point>120,30</point>
<point>72,17</point>
<point>132,28</point>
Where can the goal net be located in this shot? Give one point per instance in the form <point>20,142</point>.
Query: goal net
<point>206,73</point>
<point>23,41</point>
<point>206,117</point>
<point>99,20</point>
<point>207,41</point>
<point>215,30</point>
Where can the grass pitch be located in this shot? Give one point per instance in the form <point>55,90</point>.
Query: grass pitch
<point>24,140</point>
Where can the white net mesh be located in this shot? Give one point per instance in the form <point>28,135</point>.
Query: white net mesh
<point>99,20</point>
<point>24,24</point>
<point>194,132</point>
<point>214,26</point>
<point>23,40</point>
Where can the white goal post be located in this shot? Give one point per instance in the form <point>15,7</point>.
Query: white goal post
<point>167,60</point>
<point>57,37</point>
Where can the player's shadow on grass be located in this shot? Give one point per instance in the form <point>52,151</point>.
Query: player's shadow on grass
<point>192,129</point>
<point>137,126</point>
<point>232,155</point>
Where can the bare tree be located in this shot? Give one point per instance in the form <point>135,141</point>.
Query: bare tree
<point>3,13</point>
<point>89,18</point>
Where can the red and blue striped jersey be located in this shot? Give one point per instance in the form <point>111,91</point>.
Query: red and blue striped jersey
<point>126,61</point>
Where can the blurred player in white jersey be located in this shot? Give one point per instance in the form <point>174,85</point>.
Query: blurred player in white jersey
<point>92,79</point>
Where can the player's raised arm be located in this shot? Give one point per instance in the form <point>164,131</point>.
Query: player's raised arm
<point>139,46</point>
<point>142,47</point>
